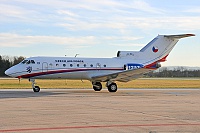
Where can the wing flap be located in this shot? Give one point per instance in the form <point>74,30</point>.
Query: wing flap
<point>123,76</point>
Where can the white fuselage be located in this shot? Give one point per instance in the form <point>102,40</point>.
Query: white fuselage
<point>68,68</point>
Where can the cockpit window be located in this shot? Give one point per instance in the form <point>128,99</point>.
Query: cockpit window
<point>28,62</point>
<point>32,61</point>
<point>24,61</point>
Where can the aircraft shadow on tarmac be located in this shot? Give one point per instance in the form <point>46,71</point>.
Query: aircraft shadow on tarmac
<point>25,94</point>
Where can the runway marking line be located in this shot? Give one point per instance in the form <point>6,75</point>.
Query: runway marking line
<point>97,126</point>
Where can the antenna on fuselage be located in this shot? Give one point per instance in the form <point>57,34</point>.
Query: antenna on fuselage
<point>76,55</point>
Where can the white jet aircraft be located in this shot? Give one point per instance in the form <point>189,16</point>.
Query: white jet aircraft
<point>128,65</point>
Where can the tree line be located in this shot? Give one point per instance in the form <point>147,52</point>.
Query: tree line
<point>8,61</point>
<point>175,72</point>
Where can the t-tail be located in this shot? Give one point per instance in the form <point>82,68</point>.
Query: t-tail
<point>155,51</point>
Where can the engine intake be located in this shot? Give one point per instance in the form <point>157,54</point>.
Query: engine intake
<point>126,53</point>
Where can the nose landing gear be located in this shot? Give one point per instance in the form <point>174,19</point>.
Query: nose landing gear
<point>35,88</point>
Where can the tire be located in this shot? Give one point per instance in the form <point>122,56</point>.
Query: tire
<point>112,87</point>
<point>97,86</point>
<point>36,89</point>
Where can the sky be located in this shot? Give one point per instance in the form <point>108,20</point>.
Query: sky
<point>98,28</point>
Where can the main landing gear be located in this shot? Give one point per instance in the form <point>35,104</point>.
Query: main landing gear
<point>112,87</point>
<point>97,86</point>
<point>35,88</point>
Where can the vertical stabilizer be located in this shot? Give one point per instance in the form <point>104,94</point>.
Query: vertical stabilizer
<point>161,46</point>
<point>156,50</point>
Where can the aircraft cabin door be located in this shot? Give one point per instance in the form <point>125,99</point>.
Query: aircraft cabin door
<point>98,66</point>
<point>44,67</point>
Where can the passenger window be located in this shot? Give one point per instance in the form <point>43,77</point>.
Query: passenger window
<point>57,64</point>
<point>91,65</point>
<point>38,62</point>
<point>84,65</point>
<point>64,65</point>
<point>71,65</point>
<point>104,65</point>
<point>77,65</point>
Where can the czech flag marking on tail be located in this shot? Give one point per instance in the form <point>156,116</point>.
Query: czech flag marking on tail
<point>155,49</point>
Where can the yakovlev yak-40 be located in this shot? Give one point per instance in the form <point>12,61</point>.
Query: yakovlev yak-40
<point>128,65</point>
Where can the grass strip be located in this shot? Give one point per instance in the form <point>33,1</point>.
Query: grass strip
<point>139,83</point>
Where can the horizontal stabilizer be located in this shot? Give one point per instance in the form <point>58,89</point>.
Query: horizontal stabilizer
<point>179,36</point>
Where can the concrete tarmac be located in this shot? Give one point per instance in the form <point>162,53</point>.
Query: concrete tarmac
<point>83,110</point>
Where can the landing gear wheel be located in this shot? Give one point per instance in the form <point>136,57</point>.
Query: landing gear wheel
<point>112,87</point>
<point>97,86</point>
<point>36,89</point>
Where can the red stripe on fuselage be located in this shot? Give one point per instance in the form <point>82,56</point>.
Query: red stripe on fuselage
<point>152,65</point>
<point>163,59</point>
<point>65,71</point>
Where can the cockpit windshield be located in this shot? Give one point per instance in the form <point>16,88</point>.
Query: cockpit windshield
<point>32,62</point>
<point>24,61</point>
<point>28,62</point>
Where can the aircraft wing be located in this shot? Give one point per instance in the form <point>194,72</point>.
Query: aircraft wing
<point>123,76</point>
